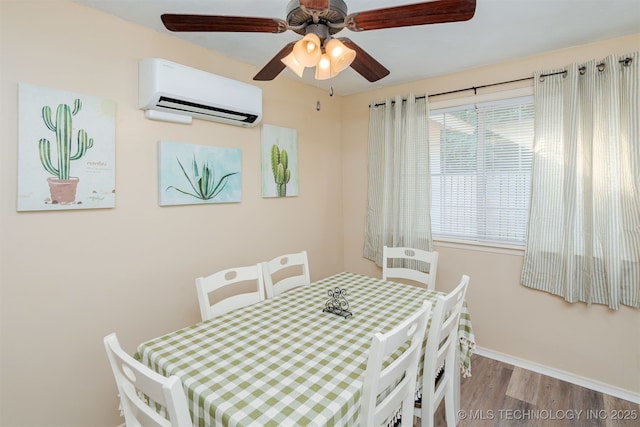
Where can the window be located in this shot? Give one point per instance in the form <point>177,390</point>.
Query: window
<point>481,171</point>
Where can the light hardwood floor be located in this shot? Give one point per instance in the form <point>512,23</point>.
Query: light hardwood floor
<point>498,394</point>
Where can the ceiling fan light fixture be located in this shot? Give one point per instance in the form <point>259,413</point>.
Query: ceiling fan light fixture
<point>291,62</point>
<point>341,55</point>
<point>324,69</point>
<point>307,51</point>
<point>317,21</point>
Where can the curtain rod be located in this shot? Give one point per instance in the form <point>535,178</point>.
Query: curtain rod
<point>473,88</point>
<point>600,67</point>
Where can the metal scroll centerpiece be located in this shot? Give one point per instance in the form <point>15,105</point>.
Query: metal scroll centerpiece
<point>337,303</point>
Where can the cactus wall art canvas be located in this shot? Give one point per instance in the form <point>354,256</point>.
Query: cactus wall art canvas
<point>279,161</point>
<point>198,174</point>
<point>66,150</point>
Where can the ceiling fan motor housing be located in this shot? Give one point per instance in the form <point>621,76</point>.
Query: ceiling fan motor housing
<point>298,16</point>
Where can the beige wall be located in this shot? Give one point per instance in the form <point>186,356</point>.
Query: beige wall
<point>69,278</point>
<point>594,343</point>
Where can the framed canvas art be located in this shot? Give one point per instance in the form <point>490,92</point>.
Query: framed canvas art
<point>66,150</point>
<point>279,158</point>
<point>198,174</point>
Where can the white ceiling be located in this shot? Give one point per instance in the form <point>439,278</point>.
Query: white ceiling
<point>501,30</point>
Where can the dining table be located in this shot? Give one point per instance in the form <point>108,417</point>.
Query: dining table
<point>287,360</point>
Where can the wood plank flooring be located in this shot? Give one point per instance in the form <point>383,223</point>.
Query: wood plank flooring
<point>502,395</point>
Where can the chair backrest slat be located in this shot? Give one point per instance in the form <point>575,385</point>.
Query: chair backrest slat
<point>137,382</point>
<point>417,259</point>
<point>442,340</point>
<point>294,266</point>
<point>226,279</point>
<point>390,378</point>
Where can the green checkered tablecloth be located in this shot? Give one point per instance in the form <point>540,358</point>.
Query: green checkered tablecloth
<point>285,362</point>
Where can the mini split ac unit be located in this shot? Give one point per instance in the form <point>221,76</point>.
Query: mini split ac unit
<point>177,93</point>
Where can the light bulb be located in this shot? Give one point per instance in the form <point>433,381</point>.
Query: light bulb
<point>307,51</point>
<point>341,56</point>
<point>324,69</point>
<point>324,62</point>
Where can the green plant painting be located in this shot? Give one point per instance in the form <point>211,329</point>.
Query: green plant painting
<point>195,174</point>
<point>66,152</point>
<point>279,161</point>
<point>280,169</point>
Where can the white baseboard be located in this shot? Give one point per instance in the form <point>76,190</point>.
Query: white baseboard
<point>561,375</point>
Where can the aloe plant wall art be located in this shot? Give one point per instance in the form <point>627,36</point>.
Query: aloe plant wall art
<point>66,152</point>
<point>198,174</point>
<point>279,159</point>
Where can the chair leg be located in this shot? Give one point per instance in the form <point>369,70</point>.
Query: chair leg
<point>449,405</point>
<point>427,419</point>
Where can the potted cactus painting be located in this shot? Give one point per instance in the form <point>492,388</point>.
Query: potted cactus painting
<point>66,150</point>
<point>62,185</point>
<point>279,161</point>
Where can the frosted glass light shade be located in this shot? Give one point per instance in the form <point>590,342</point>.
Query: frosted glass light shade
<point>341,56</point>
<point>291,62</point>
<point>324,69</point>
<point>307,51</point>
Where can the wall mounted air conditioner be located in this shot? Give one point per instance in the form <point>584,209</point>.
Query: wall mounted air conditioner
<point>174,92</point>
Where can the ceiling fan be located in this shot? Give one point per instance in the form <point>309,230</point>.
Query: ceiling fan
<point>318,21</point>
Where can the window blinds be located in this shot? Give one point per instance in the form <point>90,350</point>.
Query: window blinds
<point>481,170</point>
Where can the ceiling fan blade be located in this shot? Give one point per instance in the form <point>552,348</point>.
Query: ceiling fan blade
<point>432,12</point>
<point>218,23</point>
<point>275,65</point>
<point>315,4</point>
<point>364,63</point>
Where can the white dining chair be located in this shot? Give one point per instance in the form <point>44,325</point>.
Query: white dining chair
<point>418,257</point>
<point>234,288</point>
<point>137,382</point>
<point>394,376</point>
<point>440,357</point>
<point>285,272</point>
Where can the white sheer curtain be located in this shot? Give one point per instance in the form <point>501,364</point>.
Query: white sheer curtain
<point>583,240</point>
<point>399,196</point>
